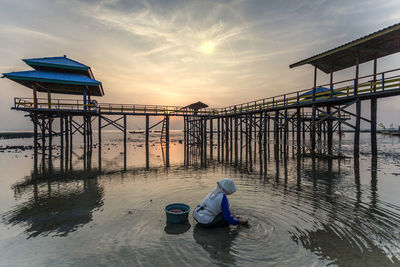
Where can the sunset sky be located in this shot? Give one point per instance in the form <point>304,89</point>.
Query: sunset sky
<point>175,52</point>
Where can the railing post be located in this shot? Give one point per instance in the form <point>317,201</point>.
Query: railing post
<point>298,98</point>
<point>284,100</point>
<point>273,101</point>
<point>331,91</point>
<point>383,81</point>
<point>355,87</point>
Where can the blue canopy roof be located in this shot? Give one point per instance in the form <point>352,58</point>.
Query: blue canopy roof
<point>51,76</point>
<point>59,63</point>
<point>59,75</point>
<point>317,90</point>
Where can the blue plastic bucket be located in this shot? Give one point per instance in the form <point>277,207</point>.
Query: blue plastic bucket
<point>177,212</point>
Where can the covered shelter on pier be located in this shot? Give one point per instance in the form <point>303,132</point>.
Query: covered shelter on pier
<point>196,106</point>
<point>60,75</point>
<point>370,47</point>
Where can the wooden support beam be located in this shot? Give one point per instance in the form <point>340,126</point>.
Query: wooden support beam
<point>357,130</point>
<point>61,142</point>
<point>99,137</point>
<point>276,136</point>
<point>265,129</point>
<point>312,130</point>
<point>260,147</point>
<point>231,140</point>
<point>236,141</point>
<point>167,141</point>
<point>205,141</point>
<point>222,139</point>
<point>227,139</point>
<point>250,140</point>
<point>185,163</point>
<point>211,139</point>
<point>147,142</point>
<point>298,129</point>
<point>125,142</point>
<point>374,147</point>
<point>330,132</point>
<point>219,138</point>
<point>241,140</point>
<point>49,98</point>
<point>255,137</point>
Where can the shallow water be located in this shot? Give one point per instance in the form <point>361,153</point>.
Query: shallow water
<point>301,212</point>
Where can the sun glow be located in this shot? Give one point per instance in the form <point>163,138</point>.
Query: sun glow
<point>207,47</point>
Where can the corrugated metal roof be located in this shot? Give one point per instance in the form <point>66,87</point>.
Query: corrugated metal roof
<point>47,76</point>
<point>57,82</point>
<point>375,45</point>
<point>59,62</point>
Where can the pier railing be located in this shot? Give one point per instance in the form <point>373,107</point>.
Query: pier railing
<point>79,105</point>
<point>350,88</point>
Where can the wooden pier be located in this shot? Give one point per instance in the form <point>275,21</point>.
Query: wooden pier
<point>300,123</point>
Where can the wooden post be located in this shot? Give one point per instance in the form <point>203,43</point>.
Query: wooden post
<point>315,84</point>
<point>260,135</point>
<point>35,143</point>
<point>205,141</point>
<point>61,143</point>
<point>227,139</point>
<point>285,133</point>
<point>219,138</point>
<point>43,135</point>
<point>358,112</point>
<point>357,130</point>
<point>255,137</point>
<point>330,132</point>
<point>276,136</point>
<point>268,133</point>
<point>124,142</point>
<point>298,128</point>
<point>70,141</point>
<point>167,141</point>
<point>231,139</point>
<point>185,163</point>
<point>84,140</point>
<point>374,146</point>
<point>201,141</point>
<point>49,98</point>
<point>312,130</point>
<point>35,102</point>
<point>236,141</point>
<point>99,136</point>
<point>249,144</point>
<point>265,140</point>
<point>241,141</point>
<point>147,142</point>
<point>211,139</point>
<point>222,139</point>
<point>247,139</point>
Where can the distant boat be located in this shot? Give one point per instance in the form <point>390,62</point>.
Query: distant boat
<point>137,132</point>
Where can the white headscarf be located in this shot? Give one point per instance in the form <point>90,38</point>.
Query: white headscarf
<point>227,186</point>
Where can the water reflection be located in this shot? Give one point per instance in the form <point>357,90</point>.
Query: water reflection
<point>217,242</point>
<point>57,203</point>
<point>177,228</point>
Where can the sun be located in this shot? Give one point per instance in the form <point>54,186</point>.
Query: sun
<point>207,47</point>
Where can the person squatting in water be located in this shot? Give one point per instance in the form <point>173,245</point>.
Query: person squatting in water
<point>214,209</point>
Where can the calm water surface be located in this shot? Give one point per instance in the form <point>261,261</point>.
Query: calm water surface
<point>301,212</point>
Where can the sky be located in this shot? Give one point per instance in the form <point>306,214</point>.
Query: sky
<point>176,52</point>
